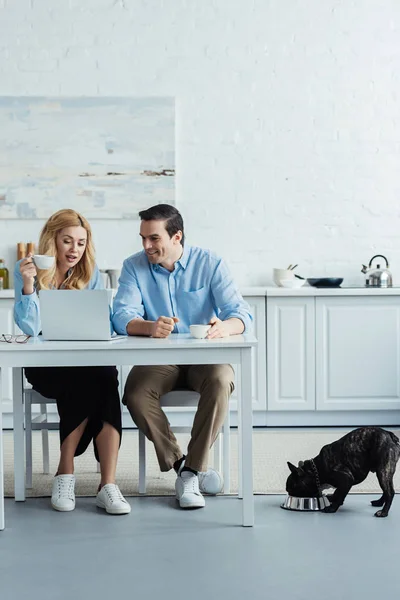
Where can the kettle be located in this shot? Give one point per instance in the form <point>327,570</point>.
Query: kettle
<point>377,277</point>
<point>110,277</point>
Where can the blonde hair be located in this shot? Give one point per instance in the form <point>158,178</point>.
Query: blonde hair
<point>82,272</point>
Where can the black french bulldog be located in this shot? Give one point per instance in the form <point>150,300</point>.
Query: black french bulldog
<point>347,462</point>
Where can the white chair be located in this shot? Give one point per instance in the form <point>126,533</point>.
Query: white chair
<point>186,398</point>
<point>42,423</point>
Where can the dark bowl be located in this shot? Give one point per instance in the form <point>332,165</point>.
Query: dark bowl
<point>326,282</point>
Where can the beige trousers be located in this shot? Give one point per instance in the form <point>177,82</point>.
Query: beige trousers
<point>145,385</point>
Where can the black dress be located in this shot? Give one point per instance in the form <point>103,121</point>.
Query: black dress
<point>81,393</point>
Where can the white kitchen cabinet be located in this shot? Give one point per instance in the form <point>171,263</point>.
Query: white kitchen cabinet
<point>290,353</point>
<point>358,353</point>
<point>324,357</point>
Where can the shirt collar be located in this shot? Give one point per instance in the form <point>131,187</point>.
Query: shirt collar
<point>183,261</point>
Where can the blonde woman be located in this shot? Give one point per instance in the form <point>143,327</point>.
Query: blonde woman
<point>87,397</point>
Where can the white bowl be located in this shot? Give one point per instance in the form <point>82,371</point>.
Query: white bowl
<point>292,283</point>
<point>279,274</point>
<point>199,331</point>
<point>283,273</point>
<point>43,261</point>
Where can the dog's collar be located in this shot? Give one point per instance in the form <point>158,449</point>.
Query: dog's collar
<point>316,478</point>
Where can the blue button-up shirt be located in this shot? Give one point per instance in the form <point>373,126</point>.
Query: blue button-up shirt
<point>27,307</point>
<point>200,287</point>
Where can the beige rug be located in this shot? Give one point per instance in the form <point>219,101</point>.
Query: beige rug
<point>271,449</point>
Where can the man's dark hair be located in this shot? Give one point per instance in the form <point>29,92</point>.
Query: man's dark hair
<point>169,214</point>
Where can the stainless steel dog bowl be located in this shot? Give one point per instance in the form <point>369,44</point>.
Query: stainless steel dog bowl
<point>305,504</point>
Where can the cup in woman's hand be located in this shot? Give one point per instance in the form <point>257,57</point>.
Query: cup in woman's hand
<point>43,261</point>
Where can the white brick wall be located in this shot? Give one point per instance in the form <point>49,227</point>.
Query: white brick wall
<point>288,129</point>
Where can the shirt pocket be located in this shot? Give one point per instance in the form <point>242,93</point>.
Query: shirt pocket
<point>196,305</point>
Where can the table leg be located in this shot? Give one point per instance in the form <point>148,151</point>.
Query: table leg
<point>246,437</point>
<point>2,520</point>
<point>239,433</point>
<point>19,440</point>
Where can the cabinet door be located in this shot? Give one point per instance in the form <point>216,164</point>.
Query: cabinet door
<point>358,357</point>
<point>291,353</point>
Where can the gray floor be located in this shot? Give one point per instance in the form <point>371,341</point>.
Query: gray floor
<point>161,552</point>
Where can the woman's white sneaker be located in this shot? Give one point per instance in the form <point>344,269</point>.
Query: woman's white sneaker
<point>111,499</point>
<point>187,490</point>
<point>63,493</point>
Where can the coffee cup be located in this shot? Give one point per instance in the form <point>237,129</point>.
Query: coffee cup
<point>199,331</point>
<point>43,261</point>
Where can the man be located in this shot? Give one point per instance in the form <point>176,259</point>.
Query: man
<point>163,290</point>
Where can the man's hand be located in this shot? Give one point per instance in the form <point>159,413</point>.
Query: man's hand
<point>28,272</point>
<point>163,327</point>
<point>219,329</point>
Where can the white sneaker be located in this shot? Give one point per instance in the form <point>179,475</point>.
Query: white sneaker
<point>210,482</point>
<point>63,493</point>
<point>187,491</point>
<point>111,499</point>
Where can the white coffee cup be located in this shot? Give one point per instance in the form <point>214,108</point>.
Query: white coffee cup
<point>43,261</point>
<point>199,331</point>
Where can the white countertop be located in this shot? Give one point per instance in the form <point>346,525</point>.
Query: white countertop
<point>307,290</point>
<point>274,291</point>
<point>340,291</point>
<point>6,294</point>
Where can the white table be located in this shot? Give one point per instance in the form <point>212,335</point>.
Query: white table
<point>178,349</point>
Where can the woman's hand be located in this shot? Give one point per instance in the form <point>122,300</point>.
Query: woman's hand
<point>28,272</point>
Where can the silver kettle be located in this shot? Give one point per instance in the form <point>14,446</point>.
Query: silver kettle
<point>377,277</point>
<point>110,277</point>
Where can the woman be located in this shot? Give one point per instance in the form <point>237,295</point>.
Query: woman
<point>87,397</point>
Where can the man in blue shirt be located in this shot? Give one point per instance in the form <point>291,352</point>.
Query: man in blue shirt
<point>164,289</point>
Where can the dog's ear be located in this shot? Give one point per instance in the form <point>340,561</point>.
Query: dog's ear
<point>292,468</point>
<point>301,464</point>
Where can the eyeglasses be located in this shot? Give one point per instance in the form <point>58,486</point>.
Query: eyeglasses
<point>19,339</point>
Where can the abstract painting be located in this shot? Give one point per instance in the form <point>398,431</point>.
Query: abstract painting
<point>106,157</point>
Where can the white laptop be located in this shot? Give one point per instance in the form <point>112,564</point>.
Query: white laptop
<point>75,314</point>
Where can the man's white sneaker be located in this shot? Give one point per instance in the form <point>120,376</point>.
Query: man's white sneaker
<point>187,490</point>
<point>111,499</point>
<point>210,482</point>
<point>63,493</point>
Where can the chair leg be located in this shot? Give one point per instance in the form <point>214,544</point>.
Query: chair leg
<point>142,463</point>
<point>98,467</point>
<point>226,439</point>
<point>19,437</point>
<point>28,442</point>
<point>45,441</point>
<point>218,453</point>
